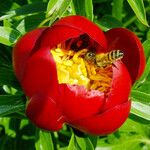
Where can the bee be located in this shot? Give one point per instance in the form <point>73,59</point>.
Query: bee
<point>90,56</point>
<point>104,59</point>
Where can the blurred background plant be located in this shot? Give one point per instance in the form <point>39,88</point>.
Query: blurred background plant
<point>20,16</point>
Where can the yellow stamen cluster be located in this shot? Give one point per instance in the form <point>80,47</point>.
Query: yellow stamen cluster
<point>72,68</point>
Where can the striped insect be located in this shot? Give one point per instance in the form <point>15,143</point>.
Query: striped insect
<point>104,59</point>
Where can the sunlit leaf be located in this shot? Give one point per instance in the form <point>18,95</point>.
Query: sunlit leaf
<point>25,10</point>
<point>139,10</point>
<point>84,143</point>
<point>132,126</point>
<point>52,6</point>
<point>73,144</point>
<point>44,141</point>
<point>145,87</point>
<point>80,143</point>
<point>141,110</point>
<point>131,136</point>
<point>8,36</point>
<point>29,23</point>
<point>131,143</point>
<point>140,96</point>
<point>89,9</point>
<point>56,9</point>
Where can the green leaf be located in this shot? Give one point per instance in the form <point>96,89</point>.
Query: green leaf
<point>25,10</point>
<point>100,1</point>
<point>29,23</point>
<point>141,110</point>
<point>131,136</point>
<point>141,27</point>
<point>89,9</point>
<point>93,139</point>
<point>148,34</point>
<point>84,143</point>
<point>127,143</point>
<point>7,16</point>
<point>72,7</point>
<point>139,10</point>
<point>89,145</point>
<point>7,23</point>
<point>7,5</point>
<point>52,6</point>
<point>79,143</point>
<point>7,77</point>
<point>108,22</point>
<point>5,56</point>
<point>79,6</point>
<point>44,141</point>
<point>10,104</point>
<point>9,90</point>
<point>132,126</point>
<point>84,8</point>
<point>8,36</point>
<point>73,144</point>
<point>56,9</point>
<point>117,9</point>
<point>144,75</point>
<point>145,87</point>
<point>140,96</point>
<point>146,46</point>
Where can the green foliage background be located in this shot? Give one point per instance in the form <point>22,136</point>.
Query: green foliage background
<point>20,16</point>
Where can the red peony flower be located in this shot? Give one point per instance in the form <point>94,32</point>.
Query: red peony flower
<point>74,73</point>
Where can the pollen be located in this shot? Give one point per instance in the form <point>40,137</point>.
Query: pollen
<point>73,68</point>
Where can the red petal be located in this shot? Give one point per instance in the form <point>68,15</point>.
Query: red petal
<point>73,26</point>
<point>23,48</point>
<point>127,41</point>
<point>77,102</point>
<point>121,86</point>
<point>58,34</point>
<point>44,113</point>
<point>106,122</point>
<point>40,74</point>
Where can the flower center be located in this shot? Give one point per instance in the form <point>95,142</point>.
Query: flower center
<point>84,68</point>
